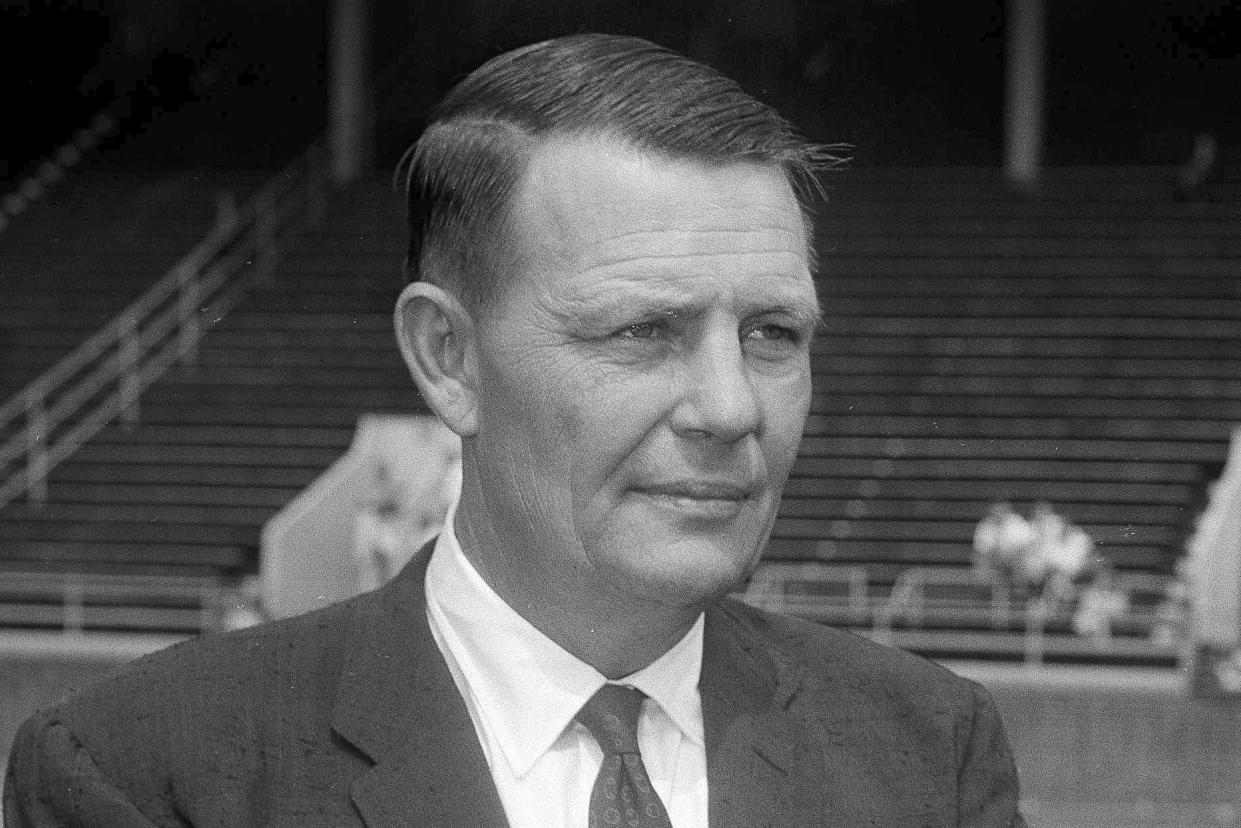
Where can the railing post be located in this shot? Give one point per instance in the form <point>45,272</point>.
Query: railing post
<point>130,380</point>
<point>1036,622</point>
<point>859,588</point>
<point>914,612</point>
<point>36,448</point>
<point>265,238</point>
<point>74,609</point>
<point>1001,605</point>
<point>885,618</point>
<point>211,609</point>
<point>188,326</point>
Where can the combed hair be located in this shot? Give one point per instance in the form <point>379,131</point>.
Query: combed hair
<point>460,175</point>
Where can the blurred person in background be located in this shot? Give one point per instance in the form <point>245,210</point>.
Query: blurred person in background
<point>1061,556</point>
<point>1002,543</point>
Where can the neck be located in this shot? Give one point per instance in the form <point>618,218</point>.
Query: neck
<point>615,633</point>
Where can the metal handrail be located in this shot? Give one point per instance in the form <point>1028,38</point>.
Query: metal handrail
<point>768,587</point>
<point>158,329</point>
<point>102,124</point>
<point>907,597</point>
<point>899,598</point>
<point>34,186</point>
<point>77,592</point>
<point>1010,609</point>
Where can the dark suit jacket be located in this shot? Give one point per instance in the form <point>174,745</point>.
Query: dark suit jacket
<point>349,716</point>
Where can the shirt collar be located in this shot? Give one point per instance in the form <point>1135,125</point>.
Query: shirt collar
<point>527,687</point>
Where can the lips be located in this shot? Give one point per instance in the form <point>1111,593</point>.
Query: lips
<point>701,502</point>
<point>700,490</point>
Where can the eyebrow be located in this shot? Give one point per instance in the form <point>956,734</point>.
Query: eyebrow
<point>805,311</point>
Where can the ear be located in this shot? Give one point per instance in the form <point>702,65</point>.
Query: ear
<point>437,339</point>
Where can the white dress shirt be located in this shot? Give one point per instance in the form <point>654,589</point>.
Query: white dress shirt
<point>523,690</point>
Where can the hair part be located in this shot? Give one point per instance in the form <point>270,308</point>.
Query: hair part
<point>461,174</point>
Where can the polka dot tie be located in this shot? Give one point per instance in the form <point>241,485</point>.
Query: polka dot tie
<point>622,796</point>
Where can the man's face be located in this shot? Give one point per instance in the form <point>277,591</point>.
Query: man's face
<point>643,374</point>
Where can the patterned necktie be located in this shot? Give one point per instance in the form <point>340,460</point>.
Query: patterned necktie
<point>622,795</point>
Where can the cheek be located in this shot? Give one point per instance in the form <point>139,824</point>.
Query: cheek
<point>606,424</point>
<point>519,419</point>
<point>787,404</point>
<point>519,388</point>
<point>612,433</point>
<point>562,427</point>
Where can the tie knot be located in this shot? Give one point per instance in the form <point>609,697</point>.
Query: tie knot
<point>611,716</point>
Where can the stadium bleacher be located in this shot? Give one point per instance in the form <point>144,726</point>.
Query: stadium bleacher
<point>978,345</point>
<point>77,258</point>
<point>1078,346</point>
<point>221,443</point>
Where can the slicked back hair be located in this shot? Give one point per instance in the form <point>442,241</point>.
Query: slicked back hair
<point>461,174</point>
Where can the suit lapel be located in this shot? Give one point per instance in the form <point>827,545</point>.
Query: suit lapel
<point>764,765</point>
<point>398,704</point>
<point>401,708</point>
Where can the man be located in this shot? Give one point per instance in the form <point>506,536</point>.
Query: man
<point>613,308</point>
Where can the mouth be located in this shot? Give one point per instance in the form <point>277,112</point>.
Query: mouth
<point>710,500</point>
<point>701,490</point>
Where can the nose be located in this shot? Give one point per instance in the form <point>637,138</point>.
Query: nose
<point>720,400</point>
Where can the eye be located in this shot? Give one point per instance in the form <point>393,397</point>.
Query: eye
<point>639,330</point>
<point>771,332</point>
<point>773,342</point>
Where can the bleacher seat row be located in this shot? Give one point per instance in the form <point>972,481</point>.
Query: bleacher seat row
<point>1078,346</point>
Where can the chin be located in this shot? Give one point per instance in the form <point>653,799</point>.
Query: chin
<point>690,573</point>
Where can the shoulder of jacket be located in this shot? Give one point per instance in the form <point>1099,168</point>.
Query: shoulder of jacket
<point>828,653</point>
<point>226,666</point>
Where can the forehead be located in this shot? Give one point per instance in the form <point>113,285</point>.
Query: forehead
<point>583,186</point>
<point>599,209</point>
